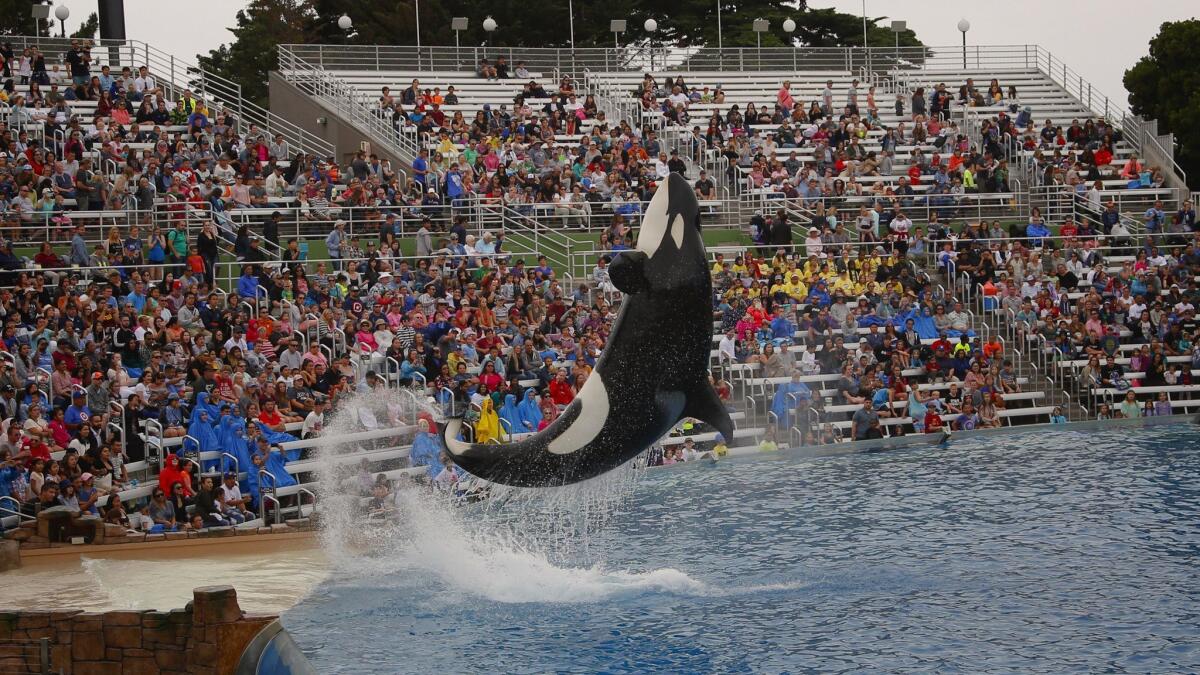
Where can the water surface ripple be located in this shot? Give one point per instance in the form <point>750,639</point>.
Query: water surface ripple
<point>1049,552</point>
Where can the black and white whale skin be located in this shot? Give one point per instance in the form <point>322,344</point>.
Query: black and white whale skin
<point>652,373</point>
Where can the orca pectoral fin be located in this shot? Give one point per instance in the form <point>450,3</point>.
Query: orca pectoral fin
<point>704,404</point>
<point>627,272</point>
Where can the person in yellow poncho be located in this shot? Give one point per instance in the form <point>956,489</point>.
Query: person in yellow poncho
<point>795,288</point>
<point>447,147</point>
<point>811,267</point>
<point>488,426</point>
<point>847,286</point>
<point>453,359</point>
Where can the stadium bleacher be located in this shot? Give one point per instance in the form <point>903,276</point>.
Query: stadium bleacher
<point>444,252</point>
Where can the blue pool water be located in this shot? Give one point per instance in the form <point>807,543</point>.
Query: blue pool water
<point>1042,552</point>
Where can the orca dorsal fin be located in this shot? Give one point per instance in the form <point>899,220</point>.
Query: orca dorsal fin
<point>704,405</point>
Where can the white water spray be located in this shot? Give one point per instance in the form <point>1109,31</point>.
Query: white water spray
<point>520,545</point>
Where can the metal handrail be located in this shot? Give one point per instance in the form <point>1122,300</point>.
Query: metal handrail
<point>265,493</point>
<point>14,510</point>
<point>300,503</point>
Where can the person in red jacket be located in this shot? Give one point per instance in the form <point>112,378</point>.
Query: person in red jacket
<point>561,391</point>
<point>933,421</point>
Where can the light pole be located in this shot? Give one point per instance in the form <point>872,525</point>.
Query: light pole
<point>866,50</point>
<point>963,27</point>
<point>571,21</point>
<point>720,38</point>
<point>651,26</point>
<point>760,26</point>
<point>898,27</point>
<point>345,23</point>
<point>489,27</point>
<point>417,12</point>
<point>789,27</point>
<point>61,13</point>
<point>458,24</point>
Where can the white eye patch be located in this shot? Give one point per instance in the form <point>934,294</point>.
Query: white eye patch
<point>677,226</point>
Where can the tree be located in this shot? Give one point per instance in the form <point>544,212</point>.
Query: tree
<point>88,28</point>
<point>16,19</point>
<point>1165,85</point>
<point>264,24</point>
<point>261,27</point>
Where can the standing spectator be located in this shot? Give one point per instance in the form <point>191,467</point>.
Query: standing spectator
<point>334,241</point>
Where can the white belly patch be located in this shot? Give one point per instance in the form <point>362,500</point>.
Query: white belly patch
<point>593,413</point>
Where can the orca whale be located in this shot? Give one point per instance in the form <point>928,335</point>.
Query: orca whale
<point>652,373</point>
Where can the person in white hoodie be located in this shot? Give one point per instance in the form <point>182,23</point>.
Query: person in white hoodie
<point>813,246</point>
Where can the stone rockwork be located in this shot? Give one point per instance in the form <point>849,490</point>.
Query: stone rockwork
<point>205,638</point>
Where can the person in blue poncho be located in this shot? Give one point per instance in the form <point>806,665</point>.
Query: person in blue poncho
<point>529,413</point>
<point>786,396</point>
<point>924,324</point>
<point>509,415</point>
<point>426,450</point>
<point>257,462</point>
<point>203,404</point>
<point>272,461</point>
<point>231,434</point>
<point>277,437</point>
<point>201,429</point>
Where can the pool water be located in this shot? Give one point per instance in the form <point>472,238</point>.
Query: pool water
<point>1041,552</point>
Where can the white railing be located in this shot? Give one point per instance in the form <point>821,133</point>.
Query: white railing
<point>346,100</point>
<point>174,75</point>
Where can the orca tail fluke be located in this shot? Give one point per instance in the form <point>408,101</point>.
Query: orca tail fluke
<point>704,405</point>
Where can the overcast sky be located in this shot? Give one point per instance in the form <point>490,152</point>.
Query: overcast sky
<point>1099,39</point>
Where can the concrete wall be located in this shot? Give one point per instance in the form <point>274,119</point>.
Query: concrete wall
<point>302,110</point>
<point>205,638</point>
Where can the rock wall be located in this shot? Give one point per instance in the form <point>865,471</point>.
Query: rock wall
<point>205,638</point>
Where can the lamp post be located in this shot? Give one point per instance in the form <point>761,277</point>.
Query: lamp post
<point>345,23</point>
<point>651,26</point>
<point>720,38</point>
<point>866,50</point>
<point>489,27</point>
<point>571,23</point>
<point>760,26</point>
<point>61,13</point>
<point>963,27</point>
<point>898,27</point>
<point>458,24</point>
<point>417,13</point>
<point>789,27</point>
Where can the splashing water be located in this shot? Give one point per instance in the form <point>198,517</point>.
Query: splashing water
<point>520,545</point>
